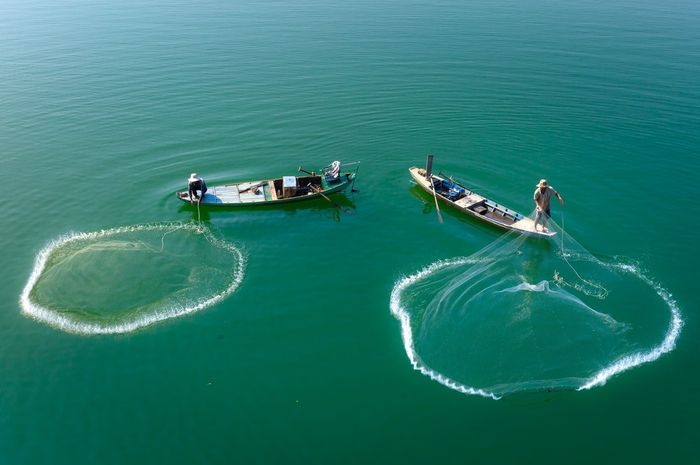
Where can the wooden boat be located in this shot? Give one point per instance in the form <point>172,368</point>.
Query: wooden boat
<point>278,190</point>
<point>464,199</point>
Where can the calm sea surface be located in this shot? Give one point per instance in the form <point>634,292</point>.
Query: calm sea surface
<point>107,107</point>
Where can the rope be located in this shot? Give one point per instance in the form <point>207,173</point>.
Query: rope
<point>162,239</point>
<point>602,294</point>
<point>562,235</point>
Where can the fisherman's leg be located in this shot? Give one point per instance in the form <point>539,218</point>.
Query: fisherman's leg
<point>545,216</point>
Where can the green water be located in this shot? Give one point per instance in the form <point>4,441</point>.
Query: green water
<point>107,107</point>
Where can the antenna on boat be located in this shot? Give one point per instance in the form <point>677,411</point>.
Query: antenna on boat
<point>429,176</point>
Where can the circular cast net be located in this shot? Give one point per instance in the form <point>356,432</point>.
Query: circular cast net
<point>532,314</point>
<point>121,279</point>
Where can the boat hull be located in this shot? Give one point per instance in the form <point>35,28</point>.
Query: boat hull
<point>475,205</point>
<point>270,191</point>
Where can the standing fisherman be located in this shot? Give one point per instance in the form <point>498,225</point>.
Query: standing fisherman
<point>196,183</point>
<point>543,193</point>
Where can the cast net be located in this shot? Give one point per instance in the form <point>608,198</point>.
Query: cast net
<point>532,314</point>
<point>121,279</point>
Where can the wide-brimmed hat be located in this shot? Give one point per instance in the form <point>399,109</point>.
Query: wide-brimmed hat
<point>194,178</point>
<point>542,183</point>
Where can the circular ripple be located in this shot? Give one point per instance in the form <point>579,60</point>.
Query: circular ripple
<point>475,326</point>
<point>122,279</point>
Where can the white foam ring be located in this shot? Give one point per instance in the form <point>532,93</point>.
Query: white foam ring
<point>73,325</point>
<point>407,335</point>
<point>598,379</point>
<point>639,358</point>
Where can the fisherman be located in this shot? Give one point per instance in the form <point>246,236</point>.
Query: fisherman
<point>196,183</point>
<point>332,172</point>
<point>543,193</point>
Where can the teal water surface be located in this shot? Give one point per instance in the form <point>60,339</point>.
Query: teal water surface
<point>107,107</point>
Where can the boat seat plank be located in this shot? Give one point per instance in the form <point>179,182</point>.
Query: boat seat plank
<point>469,200</point>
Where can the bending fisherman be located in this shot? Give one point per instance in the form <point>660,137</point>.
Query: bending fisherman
<point>196,183</point>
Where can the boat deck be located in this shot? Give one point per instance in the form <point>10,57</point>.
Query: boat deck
<point>501,218</point>
<point>232,194</point>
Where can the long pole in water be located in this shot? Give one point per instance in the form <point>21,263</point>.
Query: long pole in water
<point>436,202</point>
<point>429,175</point>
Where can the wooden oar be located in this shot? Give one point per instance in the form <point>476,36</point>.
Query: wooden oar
<point>436,202</point>
<point>318,191</point>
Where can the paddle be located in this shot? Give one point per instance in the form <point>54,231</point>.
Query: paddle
<point>307,172</point>
<point>318,191</point>
<point>436,202</point>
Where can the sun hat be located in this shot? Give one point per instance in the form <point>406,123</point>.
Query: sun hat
<point>194,178</point>
<point>542,183</point>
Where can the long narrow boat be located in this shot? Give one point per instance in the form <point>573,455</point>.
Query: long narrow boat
<point>278,190</point>
<point>466,200</point>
